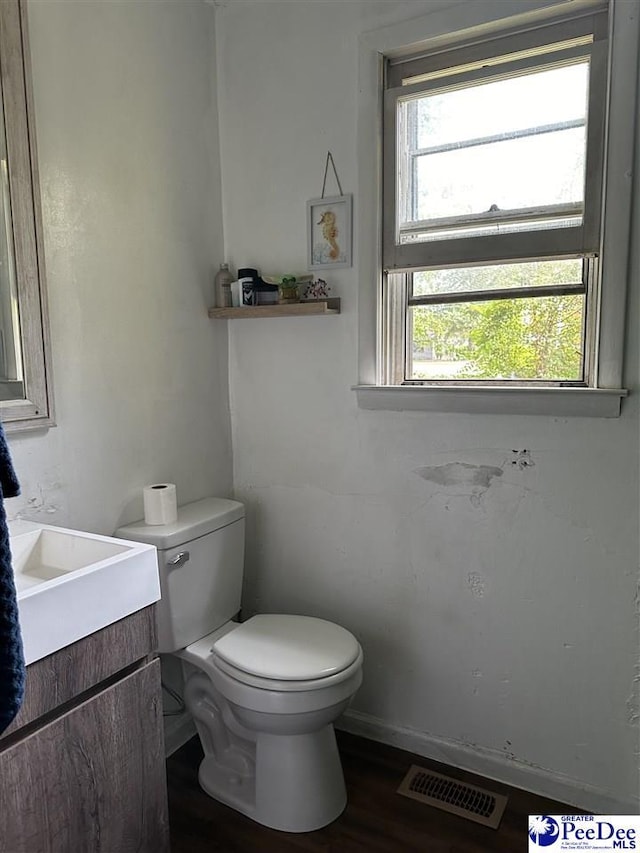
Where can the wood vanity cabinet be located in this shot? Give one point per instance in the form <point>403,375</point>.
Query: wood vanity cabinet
<point>82,766</point>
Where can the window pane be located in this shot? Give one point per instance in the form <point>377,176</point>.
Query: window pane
<point>497,277</point>
<point>503,145</point>
<point>503,106</point>
<point>506,339</point>
<point>532,171</point>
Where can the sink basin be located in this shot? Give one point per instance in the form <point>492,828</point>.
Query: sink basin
<point>71,583</point>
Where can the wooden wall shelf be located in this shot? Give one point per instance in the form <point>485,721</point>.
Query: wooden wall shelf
<point>323,307</point>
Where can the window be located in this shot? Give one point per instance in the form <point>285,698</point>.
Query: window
<point>383,297</point>
<point>493,174</point>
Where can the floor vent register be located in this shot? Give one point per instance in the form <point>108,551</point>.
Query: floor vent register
<point>452,796</point>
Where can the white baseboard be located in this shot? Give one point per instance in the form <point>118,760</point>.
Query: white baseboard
<point>177,731</point>
<point>488,763</point>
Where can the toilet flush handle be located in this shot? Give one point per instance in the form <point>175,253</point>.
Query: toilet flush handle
<point>179,559</point>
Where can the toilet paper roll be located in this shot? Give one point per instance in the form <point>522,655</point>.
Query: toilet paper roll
<point>160,503</point>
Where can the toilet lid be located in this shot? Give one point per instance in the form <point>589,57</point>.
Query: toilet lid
<point>288,648</point>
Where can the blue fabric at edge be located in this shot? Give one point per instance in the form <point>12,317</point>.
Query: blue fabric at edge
<point>12,668</point>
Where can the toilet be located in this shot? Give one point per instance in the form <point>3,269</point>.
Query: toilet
<point>263,693</point>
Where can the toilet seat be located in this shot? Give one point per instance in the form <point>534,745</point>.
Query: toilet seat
<point>285,648</point>
<point>290,686</point>
<point>204,654</point>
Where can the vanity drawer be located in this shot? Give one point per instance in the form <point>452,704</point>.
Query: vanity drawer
<point>92,779</point>
<point>58,678</point>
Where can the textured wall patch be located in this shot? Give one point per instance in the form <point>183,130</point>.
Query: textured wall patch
<point>461,473</point>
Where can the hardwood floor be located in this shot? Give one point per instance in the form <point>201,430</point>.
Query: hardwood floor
<point>376,820</point>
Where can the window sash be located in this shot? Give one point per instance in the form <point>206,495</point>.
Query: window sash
<point>527,245</point>
<point>398,345</point>
<point>552,242</point>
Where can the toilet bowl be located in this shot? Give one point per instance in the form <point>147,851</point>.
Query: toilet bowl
<point>263,693</point>
<point>277,760</point>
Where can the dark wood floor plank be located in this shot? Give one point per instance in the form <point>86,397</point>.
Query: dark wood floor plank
<point>376,820</point>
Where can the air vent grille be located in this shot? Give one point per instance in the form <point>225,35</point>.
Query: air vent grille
<point>453,796</point>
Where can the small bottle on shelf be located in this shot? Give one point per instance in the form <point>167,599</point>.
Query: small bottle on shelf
<point>222,285</point>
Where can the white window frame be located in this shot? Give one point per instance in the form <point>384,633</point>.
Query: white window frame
<point>445,29</point>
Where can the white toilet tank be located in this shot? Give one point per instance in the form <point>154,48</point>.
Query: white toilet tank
<point>201,561</point>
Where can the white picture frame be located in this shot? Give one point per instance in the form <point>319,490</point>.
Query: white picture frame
<point>329,232</point>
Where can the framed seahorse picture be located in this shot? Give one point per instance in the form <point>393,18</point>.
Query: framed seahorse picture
<point>329,232</point>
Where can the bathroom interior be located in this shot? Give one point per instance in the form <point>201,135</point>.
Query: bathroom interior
<point>497,612</point>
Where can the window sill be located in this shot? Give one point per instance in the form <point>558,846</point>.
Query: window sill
<point>562,402</point>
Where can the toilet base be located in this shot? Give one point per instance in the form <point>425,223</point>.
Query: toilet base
<point>298,784</point>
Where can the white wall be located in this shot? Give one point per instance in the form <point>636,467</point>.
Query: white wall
<point>127,134</point>
<point>498,622</point>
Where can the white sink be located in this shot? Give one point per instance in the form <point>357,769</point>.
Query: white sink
<point>71,583</point>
